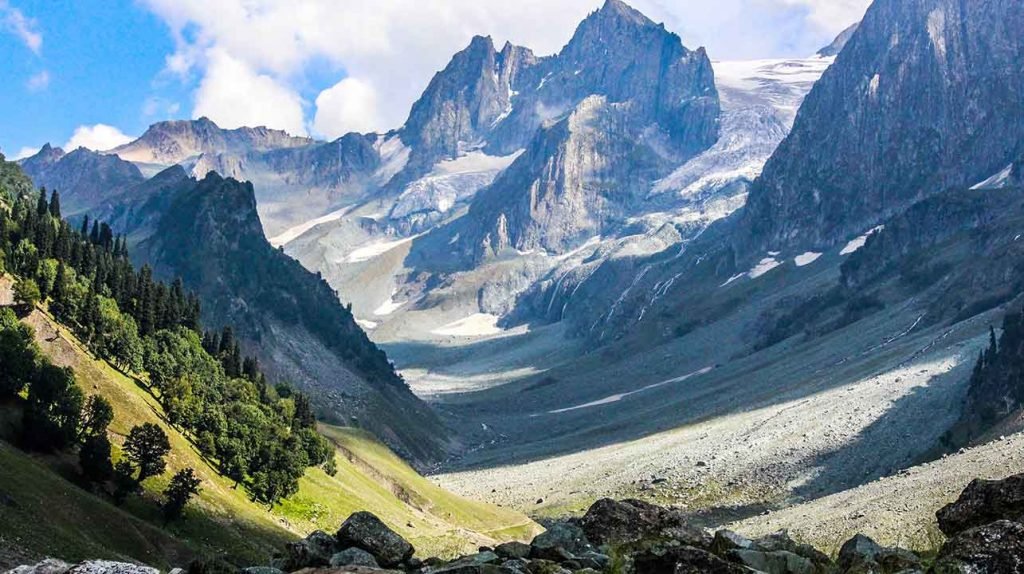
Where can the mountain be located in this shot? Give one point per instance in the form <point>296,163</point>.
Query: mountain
<point>175,142</point>
<point>931,95</point>
<point>837,45</point>
<point>83,177</point>
<point>208,233</point>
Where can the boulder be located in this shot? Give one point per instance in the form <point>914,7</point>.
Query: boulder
<point>995,548</point>
<point>560,542</point>
<point>312,551</point>
<point>353,557</point>
<point>347,570</point>
<point>470,568</point>
<point>777,562</point>
<point>108,567</point>
<point>262,570</point>
<point>683,560</point>
<point>856,551</point>
<point>542,566</point>
<point>862,554</point>
<point>622,522</point>
<point>513,550</point>
<point>781,541</point>
<point>983,502</point>
<point>48,566</point>
<point>726,540</point>
<point>366,531</point>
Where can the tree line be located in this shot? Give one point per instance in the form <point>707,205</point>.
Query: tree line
<point>261,436</point>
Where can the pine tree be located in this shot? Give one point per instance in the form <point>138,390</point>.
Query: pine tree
<point>55,204</point>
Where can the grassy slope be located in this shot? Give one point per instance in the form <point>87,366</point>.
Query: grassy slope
<point>370,478</point>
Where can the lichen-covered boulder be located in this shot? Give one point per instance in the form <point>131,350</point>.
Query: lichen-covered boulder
<point>984,502</point>
<point>622,522</point>
<point>996,548</point>
<point>366,531</point>
<point>353,557</point>
<point>560,542</point>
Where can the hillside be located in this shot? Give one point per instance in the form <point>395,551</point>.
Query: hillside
<point>222,519</point>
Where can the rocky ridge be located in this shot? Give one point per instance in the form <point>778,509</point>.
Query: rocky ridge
<point>630,536</point>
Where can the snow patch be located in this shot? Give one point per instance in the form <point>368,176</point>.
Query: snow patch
<point>375,250</point>
<point>997,181</point>
<point>766,265</point>
<point>388,307</point>
<point>294,233</point>
<point>476,325</point>
<point>394,155</point>
<point>858,243</point>
<point>873,86</point>
<point>937,31</point>
<point>619,397</point>
<point>806,259</point>
<point>367,325</point>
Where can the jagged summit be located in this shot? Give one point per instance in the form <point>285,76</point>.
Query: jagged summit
<point>618,9</point>
<point>178,141</point>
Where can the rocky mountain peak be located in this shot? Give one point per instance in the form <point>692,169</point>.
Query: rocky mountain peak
<point>930,95</point>
<point>839,43</point>
<point>179,141</point>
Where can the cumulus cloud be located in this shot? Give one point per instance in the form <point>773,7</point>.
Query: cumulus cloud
<point>25,28</point>
<point>26,152</point>
<point>233,95</point>
<point>348,106</point>
<point>391,48</point>
<point>39,81</point>
<point>98,137</point>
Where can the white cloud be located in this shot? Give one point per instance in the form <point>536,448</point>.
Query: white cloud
<point>348,106</point>
<point>393,47</point>
<point>26,152</point>
<point>21,26</point>
<point>39,81</point>
<point>233,95</point>
<point>98,137</point>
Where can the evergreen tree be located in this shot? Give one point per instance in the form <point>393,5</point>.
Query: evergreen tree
<point>183,486</point>
<point>146,448</point>
<point>94,459</point>
<point>55,204</point>
<point>96,417</point>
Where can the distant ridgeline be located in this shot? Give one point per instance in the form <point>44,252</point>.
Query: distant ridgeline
<point>258,435</point>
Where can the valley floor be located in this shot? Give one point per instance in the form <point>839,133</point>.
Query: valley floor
<point>725,437</point>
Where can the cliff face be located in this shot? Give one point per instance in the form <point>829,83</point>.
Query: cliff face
<point>620,107</point>
<point>208,233</point>
<point>925,97</point>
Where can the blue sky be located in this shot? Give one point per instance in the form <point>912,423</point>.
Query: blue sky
<point>317,67</point>
<point>102,61</point>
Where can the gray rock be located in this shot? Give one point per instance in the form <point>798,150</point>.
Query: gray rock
<point>353,557</point>
<point>560,542</point>
<point>513,550</point>
<point>108,567</point>
<point>262,570</point>
<point>48,566</point>
<point>726,540</point>
<point>366,531</point>
<point>983,502</point>
<point>994,548</point>
<point>777,562</point>
<point>613,522</point>
<point>313,551</point>
<point>684,560</point>
<point>781,541</point>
